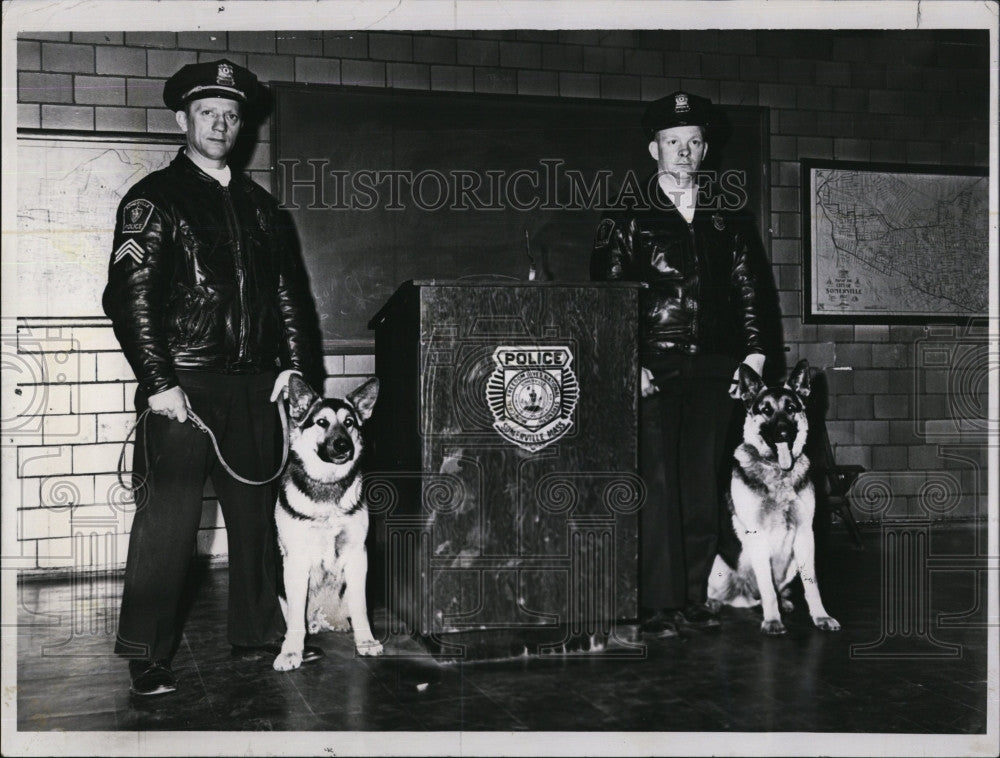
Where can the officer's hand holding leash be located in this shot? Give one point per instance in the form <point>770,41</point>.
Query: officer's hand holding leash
<point>281,384</point>
<point>754,361</point>
<point>646,385</point>
<point>172,403</point>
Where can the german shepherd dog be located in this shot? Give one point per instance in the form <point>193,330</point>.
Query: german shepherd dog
<point>322,520</point>
<point>772,502</point>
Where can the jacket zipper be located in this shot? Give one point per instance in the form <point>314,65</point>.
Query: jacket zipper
<point>241,274</point>
<point>699,265</point>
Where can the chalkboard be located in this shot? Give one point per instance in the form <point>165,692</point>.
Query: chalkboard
<point>385,186</point>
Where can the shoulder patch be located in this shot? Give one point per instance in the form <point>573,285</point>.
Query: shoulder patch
<point>129,249</point>
<point>135,216</point>
<point>604,232</point>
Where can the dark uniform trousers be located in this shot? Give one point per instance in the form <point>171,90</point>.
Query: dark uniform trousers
<point>169,507</point>
<point>682,437</point>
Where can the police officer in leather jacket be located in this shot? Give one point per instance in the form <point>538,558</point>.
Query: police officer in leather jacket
<point>205,279</point>
<point>698,321</point>
<point>210,303</point>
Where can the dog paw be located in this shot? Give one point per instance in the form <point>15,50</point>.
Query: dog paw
<point>368,647</point>
<point>287,661</point>
<point>787,605</point>
<point>713,605</point>
<point>827,623</point>
<point>772,627</point>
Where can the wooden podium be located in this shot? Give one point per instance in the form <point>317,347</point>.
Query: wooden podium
<point>503,484</point>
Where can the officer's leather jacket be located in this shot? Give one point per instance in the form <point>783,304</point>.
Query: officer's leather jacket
<point>701,291</point>
<point>204,277</point>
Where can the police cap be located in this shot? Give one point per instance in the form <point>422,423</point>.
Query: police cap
<point>678,109</point>
<point>220,78</point>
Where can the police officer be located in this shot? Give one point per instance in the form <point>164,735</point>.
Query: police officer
<point>698,321</point>
<point>209,301</point>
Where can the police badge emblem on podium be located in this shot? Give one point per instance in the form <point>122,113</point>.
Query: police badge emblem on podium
<point>532,393</point>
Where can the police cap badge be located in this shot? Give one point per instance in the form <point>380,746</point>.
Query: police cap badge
<point>678,109</point>
<point>221,78</point>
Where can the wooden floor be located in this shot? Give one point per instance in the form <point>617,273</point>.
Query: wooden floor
<point>920,679</point>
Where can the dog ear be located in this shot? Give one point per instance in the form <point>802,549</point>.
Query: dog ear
<point>363,399</point>
<point>300,397</point>
<point>751,385</point>
<point>799,381</point>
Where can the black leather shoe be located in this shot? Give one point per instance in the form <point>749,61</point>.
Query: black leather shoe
<point>151,678</point>
<point>656,625</point>
<point>697,616</point>
<point>310,653</point>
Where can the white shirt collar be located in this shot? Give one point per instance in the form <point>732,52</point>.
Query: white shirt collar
<point>685,199</point>
<point>221,175</point>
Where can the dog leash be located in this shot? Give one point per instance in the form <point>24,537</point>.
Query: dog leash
<point>197,421</point>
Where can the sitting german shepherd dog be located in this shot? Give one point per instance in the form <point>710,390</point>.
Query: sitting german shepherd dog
<point>772,502</point>
<point>322,520</point>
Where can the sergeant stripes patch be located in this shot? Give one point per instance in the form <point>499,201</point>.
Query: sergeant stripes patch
<point>132,249</point>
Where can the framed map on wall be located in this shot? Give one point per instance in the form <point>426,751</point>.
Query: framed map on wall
<point>891,244</point>
<point>68,189</point>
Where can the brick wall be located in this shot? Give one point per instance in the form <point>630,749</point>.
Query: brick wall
<point>75,406</point>
<point>894,392</point>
